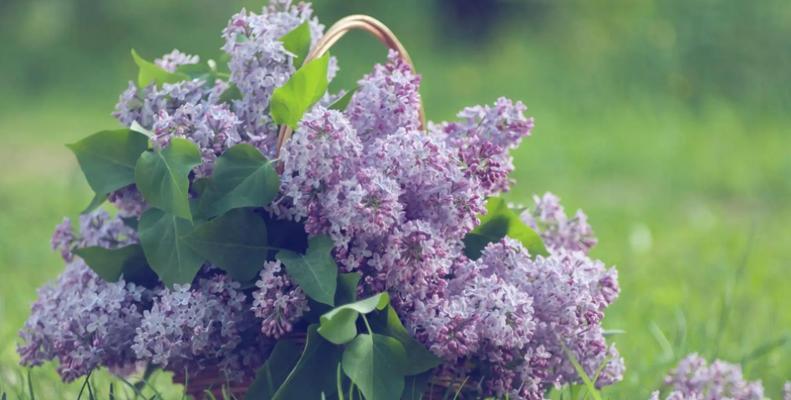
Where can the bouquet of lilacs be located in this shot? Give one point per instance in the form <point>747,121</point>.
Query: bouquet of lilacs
<point>369,254</point>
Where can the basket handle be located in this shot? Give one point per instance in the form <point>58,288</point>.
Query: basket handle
<point>363,22</point>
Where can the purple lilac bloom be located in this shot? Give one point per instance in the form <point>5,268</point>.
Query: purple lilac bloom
<point>278,302</point>
<point>96,229</point>
<point>259,63</point>
<point>142,105</point>
<point>214,128</point>
<point>129,202</point>
<point>197,328</point>
<point>171,61</point>
<point>559,231</point>
<point>83,322</point>
<point>696,379</point>
<point>484,138</point>
<point>435,189</point>
<point>386,100</point>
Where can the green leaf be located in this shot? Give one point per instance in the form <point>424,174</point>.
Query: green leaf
<point>235,241</point>
<point>314,373</point>
<point>242,177</point>
<point>231,94</point>
<point>163,237</point>
<point>162,176</point>
<point>108,158</point>
<point>347,287</point>
<point>420,358</point>
<point>149,72</point>
<point>297,42</point>
<point>110,264</point>
<point>97,201</point>
<point>341,103</point>
<point>315,271</point>
<point>375,363</point>
<point>290,101</point>
<point>273,373</point>
<point>339,324</point>
<point>498,222</point>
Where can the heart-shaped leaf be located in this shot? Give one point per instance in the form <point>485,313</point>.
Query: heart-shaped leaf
<point>108,158</point>
<point>162,176</point>
<point>297,42</point>
<point>498,222</point>
<point>163,237</point>
<point>339,325</point>
<point>111,264</point>
<point>314,373</point>
<point>420,358</point>
<point>315,271</point>
<point>290,101</point>
<point>235,241</point>
<point>149,72</point>
<point>273,373</point>
<point>242,177</point>
<point>375,363</point>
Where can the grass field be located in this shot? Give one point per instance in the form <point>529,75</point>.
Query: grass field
<point>690,197</point>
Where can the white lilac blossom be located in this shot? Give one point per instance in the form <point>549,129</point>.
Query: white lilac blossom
<point>171,61</point>
<point>277,301</point>
<point>83,322</point>
<point>787,391</point>
<point>696,379</point>
<point>259,63</point>
<point>203,327</point>
<point>386,100</point>
<point>214,128</point>
<point>96,229</point>
<point>483,139</point>
<point>556,229</point>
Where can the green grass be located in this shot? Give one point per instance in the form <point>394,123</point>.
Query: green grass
<point>689,196</point>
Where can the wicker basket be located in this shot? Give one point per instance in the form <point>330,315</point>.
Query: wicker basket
<point>212,382</point>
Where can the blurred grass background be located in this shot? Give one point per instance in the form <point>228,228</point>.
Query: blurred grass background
<point>668,122</point>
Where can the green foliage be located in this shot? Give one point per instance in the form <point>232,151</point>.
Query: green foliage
<point>273,373</point>
<point>314,373</point>
<point>235,241</point>
<point>242,177</point>
<point>347,287</point>
<point>108,158</point>
<point>162,176</point>
<point>498,222</point>
<point>315,271</point>
<point>339,325</point>
<point>420,359</point>
<point>163,237</point>
<point>149,72</point>
<point>110,264</point>
<point>307,85</point>
<point>376,363</point>
<point>341,103</point>
<point>297,42</point>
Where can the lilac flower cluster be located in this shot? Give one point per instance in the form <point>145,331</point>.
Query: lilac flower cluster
<point>278,302</point>
<point>96,229</point>
<point>787,391</point>
<point>207,326</point>
<point>695,379</point>
<point>83,322</point>
<point>171,61</point>
<point>398,202</point>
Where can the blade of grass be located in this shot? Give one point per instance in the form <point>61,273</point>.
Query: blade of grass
<point>30,390</point>
<point>581,372</point>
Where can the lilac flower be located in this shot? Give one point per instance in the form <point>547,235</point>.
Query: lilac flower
<point>259,63</point>
<point>208,326</point>
<point>83,322</point>
<point>787,391</point>
<point>557,230</point>
<point>386,100</point>
<point>484,138</point>
<point>278,302</point>
<point>214,128</point>
<point>142,105</point>
<point>435,188</point>
<point>96,229</point>
<point>129,202</point>
<point>694,378</point>
<point>171,61</point>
